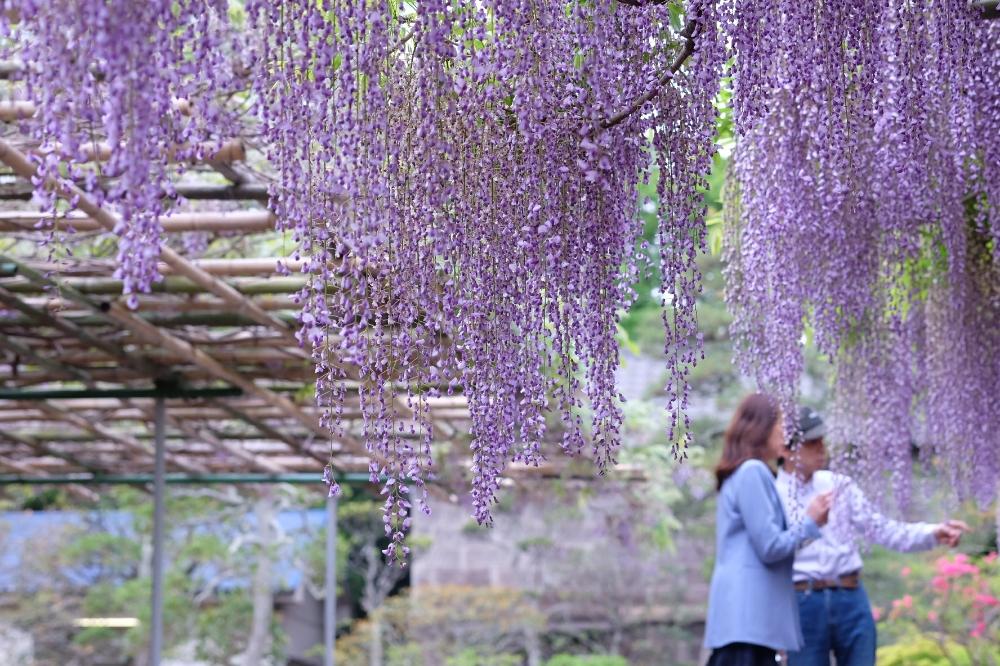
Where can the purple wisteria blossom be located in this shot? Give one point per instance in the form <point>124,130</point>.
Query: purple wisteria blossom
<point>868,208</point>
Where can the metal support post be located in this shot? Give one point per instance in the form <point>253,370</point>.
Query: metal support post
<point>330,602</point>
<point>159,487</point>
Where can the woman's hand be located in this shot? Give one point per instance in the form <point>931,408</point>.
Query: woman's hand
<point>819,507</point>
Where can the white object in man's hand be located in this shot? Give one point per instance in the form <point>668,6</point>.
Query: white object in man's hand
<point>819,507</point>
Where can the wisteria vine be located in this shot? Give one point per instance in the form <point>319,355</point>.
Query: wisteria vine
<point>460,179</point>
<point>463,182</point>
<point>124,94</point>
<point>868,208</point>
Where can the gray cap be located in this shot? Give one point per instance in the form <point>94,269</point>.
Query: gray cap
<point>810,425</point>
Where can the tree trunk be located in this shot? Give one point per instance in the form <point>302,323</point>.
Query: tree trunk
<point>145,557</point>
<point>375,646</point>
<point>145,571</point>
<point>532,646</point>
<point>263,596</point>
<point>616,638</point>
<point>371,600</point>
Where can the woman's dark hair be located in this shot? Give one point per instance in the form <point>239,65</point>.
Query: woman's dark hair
<point>747,434</point>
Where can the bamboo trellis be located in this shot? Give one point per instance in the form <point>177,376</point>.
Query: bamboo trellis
<point>210,322</point>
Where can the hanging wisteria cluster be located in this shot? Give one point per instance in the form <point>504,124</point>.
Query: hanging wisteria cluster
<point>868,186</point>
<point>460,179</point>
<point>124,86</point>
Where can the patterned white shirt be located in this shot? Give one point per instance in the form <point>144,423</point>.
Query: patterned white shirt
<point>852,517</point>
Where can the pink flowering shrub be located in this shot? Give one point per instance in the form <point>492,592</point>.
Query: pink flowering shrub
<point>954,606</point>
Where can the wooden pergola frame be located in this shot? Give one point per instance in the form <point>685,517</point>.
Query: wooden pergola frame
<point>85,381</point>
<point>93,392</point>
<point>213,321</point>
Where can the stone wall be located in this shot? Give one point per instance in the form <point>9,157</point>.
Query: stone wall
<point>586,554</point>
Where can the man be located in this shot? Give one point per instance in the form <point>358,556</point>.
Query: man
<point>833,608</point>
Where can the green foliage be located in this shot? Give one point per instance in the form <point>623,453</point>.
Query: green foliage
<point>923,652</point>
<point>473,528</point>
<point>716,371</point>
<point>451,624</point>
<point>535,543</point>
<point>223,625</point>
<point>642,328</point>
<point>472,657</point>
<point>586,660</point>
<point>49,498</point>
<point>112,555</point>
<point>216,623</point>
<point>407,654</point>
<point>359,527</point>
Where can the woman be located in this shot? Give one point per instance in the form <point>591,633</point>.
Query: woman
<point>752,611</point>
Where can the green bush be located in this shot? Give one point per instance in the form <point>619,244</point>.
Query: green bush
<point>923,652</point>
<point>587,660</point>
<point>472,657</point>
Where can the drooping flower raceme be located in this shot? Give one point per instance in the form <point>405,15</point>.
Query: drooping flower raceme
<point>460,179</point>
<point>123,92</point>
<point>869,208</point>
<point>469,212</point>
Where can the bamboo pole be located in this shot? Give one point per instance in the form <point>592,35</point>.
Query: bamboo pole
<point>244,267</point>
<point>237,355</point>
<point>10,67</point>
<point>121,375</point>
<point>288,433</point>
<point>17,161</point>
<point>22,191</point>
<point>100,430</point>
<point>251,338</point>
<point>14,110</point>
<point>169,285</point>
<point>330,598</point>
<point>112,403</point>
<point>451,413</point>
<point>225,152</point>
<point>249,221</point>
<point>45,318</point>
<point>71,437</point>
<point>163,319</point>
<point>309,478</point>
<point>175,305</point>
<point>159,528</point>
<point>79,491</point>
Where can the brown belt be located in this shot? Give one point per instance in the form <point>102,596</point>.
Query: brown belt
<point>850,581</point>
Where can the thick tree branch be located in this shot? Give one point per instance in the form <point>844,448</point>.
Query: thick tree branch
<point>688,33</point>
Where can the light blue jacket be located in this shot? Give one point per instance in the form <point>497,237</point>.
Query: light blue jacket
<point>752,599</point>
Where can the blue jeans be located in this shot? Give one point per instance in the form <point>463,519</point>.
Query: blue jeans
<point>836,620</point>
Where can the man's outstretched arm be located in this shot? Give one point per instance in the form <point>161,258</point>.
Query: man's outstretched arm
<point>897,534</point>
